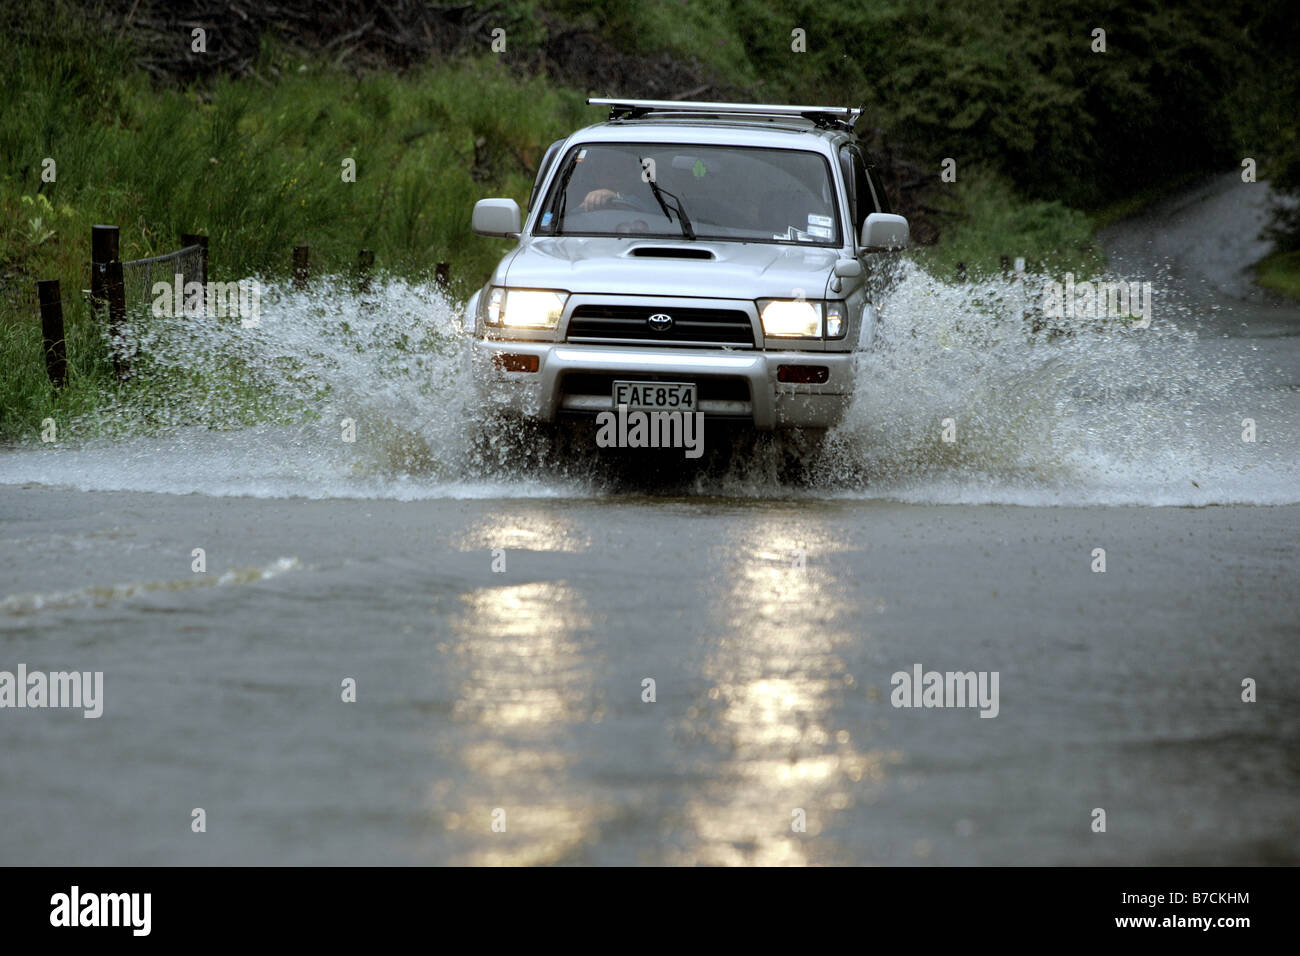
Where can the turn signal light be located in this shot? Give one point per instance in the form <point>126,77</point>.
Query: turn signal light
<point>516,362</point>
<point>803,374</point>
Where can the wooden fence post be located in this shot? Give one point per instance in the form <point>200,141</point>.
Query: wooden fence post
<point>103,250</point>
<point>365,260</point>
<point>300,266</point>
<point>107,289</point>
<point>56,355</point>
<point>195,239</point>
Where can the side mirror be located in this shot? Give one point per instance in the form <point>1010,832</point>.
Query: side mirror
<point>847,268</point>
<point>884,231</point>
<point>497,217</point>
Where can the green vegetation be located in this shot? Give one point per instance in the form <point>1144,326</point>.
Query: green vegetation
<point>1014,84</point>
<point>257,169</point>
<point>26,397</point>
<point>991,221</point>
<point>1280,272</point>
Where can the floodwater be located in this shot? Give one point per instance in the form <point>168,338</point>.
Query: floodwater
<point>556,661</point>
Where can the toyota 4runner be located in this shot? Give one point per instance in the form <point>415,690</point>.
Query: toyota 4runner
<point>696,257</point>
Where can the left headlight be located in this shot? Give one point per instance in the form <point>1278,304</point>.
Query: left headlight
<point>791,318</point>
<point>802,318</point>
<point>525,308</point>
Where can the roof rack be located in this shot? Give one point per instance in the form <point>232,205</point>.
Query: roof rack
<point>825,117</point>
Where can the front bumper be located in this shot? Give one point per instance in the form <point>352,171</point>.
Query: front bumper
<point>575,379</point>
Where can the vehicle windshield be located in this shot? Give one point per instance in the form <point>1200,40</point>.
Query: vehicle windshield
<point>746,194</point>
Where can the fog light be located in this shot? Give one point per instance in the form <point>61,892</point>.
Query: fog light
<point>803,374</point>
<point>515,362</point>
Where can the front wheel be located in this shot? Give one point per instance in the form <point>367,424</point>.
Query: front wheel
<point>508,444</point>
<point>800,450</point>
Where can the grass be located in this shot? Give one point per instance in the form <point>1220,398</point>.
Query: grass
<point>27,399</point>
<point>1280,273</point>
<point>993,221</point>
<point>257,169</point>
<point>1139,201</point>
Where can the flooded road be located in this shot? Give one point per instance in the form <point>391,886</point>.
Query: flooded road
<point>551,664</point>
<point>522,689</point>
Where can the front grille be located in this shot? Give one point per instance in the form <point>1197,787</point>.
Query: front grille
<point>708,388</point>
<point>630,322</point>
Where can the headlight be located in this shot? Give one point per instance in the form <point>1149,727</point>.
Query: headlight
<point>802,318</point>
<point>525,308</point>
<point>791,318</point>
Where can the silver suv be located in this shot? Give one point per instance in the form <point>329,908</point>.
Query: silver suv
<point>698,257</point>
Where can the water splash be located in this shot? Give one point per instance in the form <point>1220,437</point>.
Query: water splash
<point>1077,411</point>
<point>1073,413</point>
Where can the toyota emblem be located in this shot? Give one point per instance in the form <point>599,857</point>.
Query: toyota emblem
<point>660,322</point>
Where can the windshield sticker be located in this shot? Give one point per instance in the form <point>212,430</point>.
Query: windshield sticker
<point>546,218</point>
<point>699,169</point>
<point>823,232</point>
<point>582,154</point>
<point>792,233</point>
<point>815,220</point>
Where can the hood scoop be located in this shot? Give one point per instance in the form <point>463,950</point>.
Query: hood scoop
<point>672,252</point>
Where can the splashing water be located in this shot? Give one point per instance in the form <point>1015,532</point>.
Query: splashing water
<point>1089,413</point>
<point>1080,412</point>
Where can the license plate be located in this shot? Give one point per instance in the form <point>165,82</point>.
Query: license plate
<point>657,396</point>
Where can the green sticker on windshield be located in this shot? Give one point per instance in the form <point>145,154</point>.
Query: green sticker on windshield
<point>699,169</point>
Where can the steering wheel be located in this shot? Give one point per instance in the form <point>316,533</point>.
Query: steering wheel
<point>623,203</point>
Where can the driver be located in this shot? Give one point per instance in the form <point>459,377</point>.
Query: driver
<point>601,198</point>
<point>614,192</point>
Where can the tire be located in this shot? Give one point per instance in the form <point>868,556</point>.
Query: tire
<point>800,450</point>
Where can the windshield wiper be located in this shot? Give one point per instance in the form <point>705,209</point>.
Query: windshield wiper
<point>682,220</point>
<point>659,193</point>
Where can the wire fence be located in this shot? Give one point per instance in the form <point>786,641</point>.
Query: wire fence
<point>18,300</point>
<point>113,299</point>
<point>177,269</point>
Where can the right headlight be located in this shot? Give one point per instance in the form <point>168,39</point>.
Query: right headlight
<point>525,308</point>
